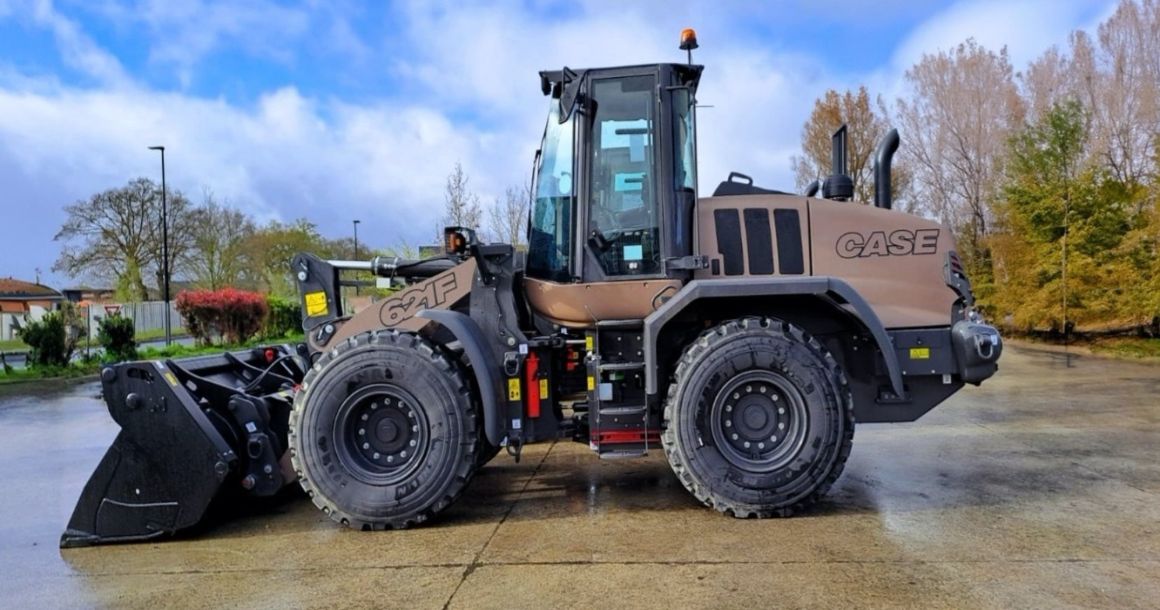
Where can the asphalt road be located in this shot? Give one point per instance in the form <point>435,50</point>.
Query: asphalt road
<point>1040,489</point>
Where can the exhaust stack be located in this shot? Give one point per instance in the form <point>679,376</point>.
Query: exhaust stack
<point>838,185</point>
<point>883,156</point>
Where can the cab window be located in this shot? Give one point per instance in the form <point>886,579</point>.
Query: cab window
<point>623,217</point>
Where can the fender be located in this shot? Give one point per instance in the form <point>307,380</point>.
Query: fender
<point>483,365</point>
<point>774,286</point>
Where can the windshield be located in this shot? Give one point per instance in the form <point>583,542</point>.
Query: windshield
<point>549,239</point>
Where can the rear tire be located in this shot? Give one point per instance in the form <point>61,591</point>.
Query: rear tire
<point>383,433</point>
<point>759,419</point>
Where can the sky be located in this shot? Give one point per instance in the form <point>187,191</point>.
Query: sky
<point>335,110</point>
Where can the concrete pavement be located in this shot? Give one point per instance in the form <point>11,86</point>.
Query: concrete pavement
<point>1039,489</point>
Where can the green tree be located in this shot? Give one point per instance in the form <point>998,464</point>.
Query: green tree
<point>219,234</point>
<point>270,249</point>
<point>1059,241</point>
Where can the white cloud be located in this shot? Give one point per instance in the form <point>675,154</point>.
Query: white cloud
<point>472,95</point>
<point>1026,27</point>
<point>77,49</point>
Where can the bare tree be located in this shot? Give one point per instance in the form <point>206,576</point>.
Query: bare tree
<point>220,235</point>
<point>462,207</point>
<point>963,109</point>
<point>115,236</point>
<point>1119,82</point>
<point>508,217</point>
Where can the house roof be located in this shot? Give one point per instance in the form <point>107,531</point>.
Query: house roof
<point>18,290</point>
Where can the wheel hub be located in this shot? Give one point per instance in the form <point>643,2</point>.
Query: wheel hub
<point>382,433</point>
<point>759,420</point>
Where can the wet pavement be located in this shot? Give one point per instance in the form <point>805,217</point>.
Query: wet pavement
<point>1039,489</point>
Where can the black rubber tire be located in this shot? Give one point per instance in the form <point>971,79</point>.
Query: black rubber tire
<point>807,465</point>
<point>405,365</point>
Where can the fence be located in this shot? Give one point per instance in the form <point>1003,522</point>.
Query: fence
<point>148,317</point>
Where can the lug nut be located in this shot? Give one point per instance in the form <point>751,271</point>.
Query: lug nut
<point>362,432</point>
<point>366,445</point>
<point>746,444</point>
<point>761,389</point>
<point>403,453</point>
<point>734,436</point>
<point>781,425</point>
<point>748,389</point>
<point>781,410</point>
<point>728,424</point>
<point>412,443</point>
<point>376,455</point>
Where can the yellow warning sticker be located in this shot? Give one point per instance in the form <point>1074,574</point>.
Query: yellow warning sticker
<point>315,303</point>
<point>543,389</point>
<point>591,383</point>
<point>514,388</point>
<point>588,343</point>
<point>171,378</point>
<point>920,353</point>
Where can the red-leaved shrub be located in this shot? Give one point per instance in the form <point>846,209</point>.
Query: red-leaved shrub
<point>228,314</point>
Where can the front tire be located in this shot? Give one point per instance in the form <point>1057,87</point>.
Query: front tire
<point>759,418</point>
<point>383,433</point>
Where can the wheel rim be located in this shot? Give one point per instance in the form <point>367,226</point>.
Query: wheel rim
<point>381,434</point>
<point>759,421</point>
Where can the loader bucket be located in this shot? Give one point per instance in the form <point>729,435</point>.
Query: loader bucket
<point>188,428</point>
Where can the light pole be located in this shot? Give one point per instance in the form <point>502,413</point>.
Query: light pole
<point>356,239</point>
<point>356,250</point>
<point>164,247</point>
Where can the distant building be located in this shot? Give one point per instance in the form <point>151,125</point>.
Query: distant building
<point>90,295</point>
<point>21,301</point>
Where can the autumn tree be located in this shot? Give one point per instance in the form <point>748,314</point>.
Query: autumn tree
<point>866,122</point>
<point>963,107</point>
<point>115,236</point>
<point>508,217</point>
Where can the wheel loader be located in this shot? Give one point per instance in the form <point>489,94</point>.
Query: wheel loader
<point>743,334</point>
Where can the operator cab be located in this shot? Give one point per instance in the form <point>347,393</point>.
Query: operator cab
<point>615,177</point>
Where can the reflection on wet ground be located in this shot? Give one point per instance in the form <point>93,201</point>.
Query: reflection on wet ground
<point>1041,488</point>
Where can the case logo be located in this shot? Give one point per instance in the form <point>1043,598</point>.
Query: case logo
<point>902,242</point>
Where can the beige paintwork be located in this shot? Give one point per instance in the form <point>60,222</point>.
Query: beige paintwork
<point>582,305</point>
<point>904,290</point>
<point>438,292</point>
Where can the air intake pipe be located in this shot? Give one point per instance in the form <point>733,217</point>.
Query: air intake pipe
<point>838,185</point>
<point>882,158</point>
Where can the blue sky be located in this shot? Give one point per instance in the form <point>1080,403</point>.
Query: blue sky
<point>335,110</point>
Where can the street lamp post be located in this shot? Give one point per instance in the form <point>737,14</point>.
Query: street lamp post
<point>356,250</point>
<point>164,247</point>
